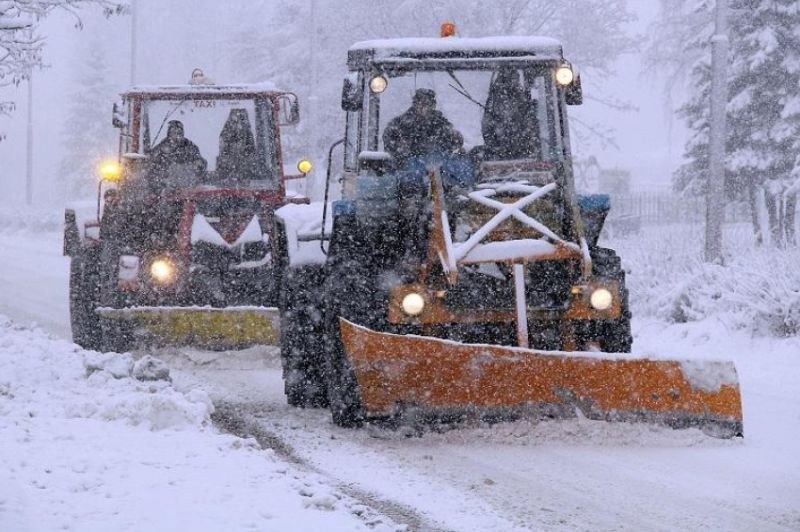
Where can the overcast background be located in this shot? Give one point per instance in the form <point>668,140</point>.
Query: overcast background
<point>177,36</point>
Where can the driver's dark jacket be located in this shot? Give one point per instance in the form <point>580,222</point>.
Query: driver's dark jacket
<point>168,152</point>
<point>412,135</point>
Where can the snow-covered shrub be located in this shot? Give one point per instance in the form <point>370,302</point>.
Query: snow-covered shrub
<point>758,288</point>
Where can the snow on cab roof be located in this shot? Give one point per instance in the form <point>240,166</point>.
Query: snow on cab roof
<point>418,48</point>
<point>238,88</point>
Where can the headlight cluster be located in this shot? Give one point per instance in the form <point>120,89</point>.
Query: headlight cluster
<point>601,299</point>
<point>378,84</point>
<point>162,270</point>
<point>564,75</point>
<point>413,304</point>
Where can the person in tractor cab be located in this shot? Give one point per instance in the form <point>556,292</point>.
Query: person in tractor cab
<point>175,161</point>
<point>420,131</point>
<point>237,159</point>
<point>422,136</point>
<point>509,122</point>
<point>419,138</point>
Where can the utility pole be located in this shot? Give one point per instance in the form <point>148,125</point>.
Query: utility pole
<point>715,199</point>
<point>313,99</point>
<point>134,24</point>
<point>29,149</point>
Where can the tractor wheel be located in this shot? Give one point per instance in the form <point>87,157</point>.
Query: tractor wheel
<point>346,287</point>
<point>117,335</point>
<point>351,291</point>
<point>84,280</point>
<point>614,336</point>
<point>301,338</point>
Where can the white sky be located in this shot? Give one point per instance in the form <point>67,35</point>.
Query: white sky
<point>646,147</point>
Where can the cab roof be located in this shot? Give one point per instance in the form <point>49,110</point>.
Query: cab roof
<point>240,89</point>
<point>410,51</point>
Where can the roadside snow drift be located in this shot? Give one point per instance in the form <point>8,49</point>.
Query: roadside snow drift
<point>92,441</point>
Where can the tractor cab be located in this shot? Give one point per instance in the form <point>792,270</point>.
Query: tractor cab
<point>485,110</point>
<point>230,137</point>
<point>504,98</point>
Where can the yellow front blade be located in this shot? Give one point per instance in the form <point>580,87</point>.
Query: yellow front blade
<point>215,328</point>
<point>394,371</point>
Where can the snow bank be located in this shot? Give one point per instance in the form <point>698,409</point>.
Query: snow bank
<point>758,288</point>
<point>92,441</point>
<point>52,378</point>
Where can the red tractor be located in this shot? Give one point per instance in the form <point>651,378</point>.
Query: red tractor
<point>180,250</point>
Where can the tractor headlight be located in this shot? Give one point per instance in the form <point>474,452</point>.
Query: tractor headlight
<point>110,171</point>
<point>162,270</point>
<point>601,299</point>
<point>564,75</point>
<point>413,304</point>
<point>378,84</point>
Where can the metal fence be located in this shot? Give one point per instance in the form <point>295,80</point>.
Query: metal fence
<point>663,208</point>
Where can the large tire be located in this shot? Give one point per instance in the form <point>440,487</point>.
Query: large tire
<point>84,287</point>
<point>352,292</point>
<point>117,334</point>
<point>344,292</point>
<point>301,337</point>
<point>614,336</point>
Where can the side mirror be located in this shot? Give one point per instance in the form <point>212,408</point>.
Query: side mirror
<point>573,94</point>
<point>289,109</point>
<point>352,95</point>
<point>118,118</point>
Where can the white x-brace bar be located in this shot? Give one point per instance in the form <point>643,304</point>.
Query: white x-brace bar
<point>506,211</point>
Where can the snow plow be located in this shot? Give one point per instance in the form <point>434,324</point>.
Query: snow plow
<point>178,250</point>
<point>461,272</point>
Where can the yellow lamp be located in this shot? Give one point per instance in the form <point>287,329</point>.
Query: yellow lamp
<point>110,170</point>
<point>304,166</point>
<point>162,270</point>
<point>447,29</point>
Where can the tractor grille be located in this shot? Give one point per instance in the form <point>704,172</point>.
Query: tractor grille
<point>547,287</point>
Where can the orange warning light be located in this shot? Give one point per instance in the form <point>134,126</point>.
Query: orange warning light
<point>448,29</point>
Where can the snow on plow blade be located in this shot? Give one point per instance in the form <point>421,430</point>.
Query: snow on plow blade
<point>214,328</point>
<point>394,371</point>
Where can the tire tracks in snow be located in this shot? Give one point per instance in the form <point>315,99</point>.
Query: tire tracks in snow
<point>240,419</point>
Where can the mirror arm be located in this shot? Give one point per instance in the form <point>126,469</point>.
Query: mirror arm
<point>327,190</point>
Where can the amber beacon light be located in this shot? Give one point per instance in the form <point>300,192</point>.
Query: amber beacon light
<point>448,29</point>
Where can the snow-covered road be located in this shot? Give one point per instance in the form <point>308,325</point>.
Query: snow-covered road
<point>34,280</point>
<point>568,475</point>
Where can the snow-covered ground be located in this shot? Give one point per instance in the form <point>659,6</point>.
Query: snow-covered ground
<point>84,445</point>
<point>90,442</point>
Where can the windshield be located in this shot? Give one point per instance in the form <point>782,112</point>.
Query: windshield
<point>503,114</point>
<point>213,141</point>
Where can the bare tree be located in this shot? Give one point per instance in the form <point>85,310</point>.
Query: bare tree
<point>20,43</point>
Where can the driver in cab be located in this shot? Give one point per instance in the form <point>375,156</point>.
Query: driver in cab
<point>420,131</point>
<point>175,155</point>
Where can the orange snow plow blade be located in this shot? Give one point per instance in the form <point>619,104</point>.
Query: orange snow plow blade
<point>397,371</point>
